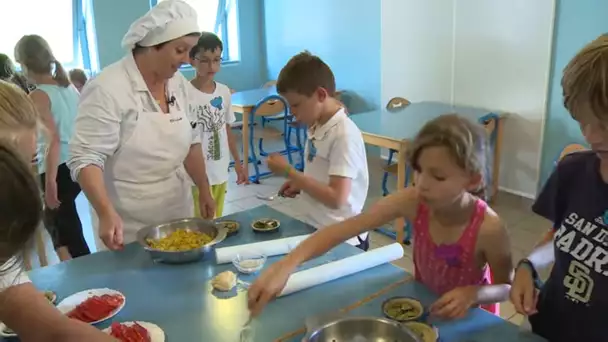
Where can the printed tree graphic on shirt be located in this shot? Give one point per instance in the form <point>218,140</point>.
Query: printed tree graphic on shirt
<point>212,118</point>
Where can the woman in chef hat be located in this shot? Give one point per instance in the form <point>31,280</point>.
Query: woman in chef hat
<point>133,138</point>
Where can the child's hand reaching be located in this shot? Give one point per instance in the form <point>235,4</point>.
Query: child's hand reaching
<point>455,303</point>
<point>278,164</point>
<point>289,190</point>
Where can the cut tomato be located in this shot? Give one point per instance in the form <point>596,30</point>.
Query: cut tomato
<point>132,333</point>
<point>96,308</point>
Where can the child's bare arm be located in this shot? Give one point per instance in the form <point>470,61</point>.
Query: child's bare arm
<point>496,248</point>
<point>401,203</point>
<point>234,150</point>
<point>333,195</point>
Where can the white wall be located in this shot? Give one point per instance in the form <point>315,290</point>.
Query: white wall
<point>492,54</point>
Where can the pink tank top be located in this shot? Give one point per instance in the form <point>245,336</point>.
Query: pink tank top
<point>445,267</point>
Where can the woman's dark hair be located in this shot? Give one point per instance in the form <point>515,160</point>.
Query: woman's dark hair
<point>20,203</point>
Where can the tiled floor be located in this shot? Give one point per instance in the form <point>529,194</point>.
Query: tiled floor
<point>525,228</point>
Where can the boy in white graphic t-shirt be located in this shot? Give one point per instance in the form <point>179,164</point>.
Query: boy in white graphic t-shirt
<point>211,104</point>
<point>335,179</point>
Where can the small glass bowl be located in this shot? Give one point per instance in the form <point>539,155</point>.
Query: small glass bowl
<point>248,264</point>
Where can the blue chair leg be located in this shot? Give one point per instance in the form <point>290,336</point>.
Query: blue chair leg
<point>254,159</point>
<point>385,175</point>
<point>260,144</point>
<point>407,240</point>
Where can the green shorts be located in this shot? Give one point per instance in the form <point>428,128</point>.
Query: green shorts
<point>218,192</point>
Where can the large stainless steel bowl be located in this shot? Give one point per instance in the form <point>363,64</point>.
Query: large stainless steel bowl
<point>364,329</point>
<point>193,224</point>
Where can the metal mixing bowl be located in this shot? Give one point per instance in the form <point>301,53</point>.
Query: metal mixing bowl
<point>364,329</point>
<point>193,224</point>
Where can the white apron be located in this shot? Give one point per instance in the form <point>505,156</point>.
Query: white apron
<point>145,178</point>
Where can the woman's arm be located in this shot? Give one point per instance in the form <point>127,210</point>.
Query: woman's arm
<point>27,312</point>
<point>96,137</point>
<point>400,204</point>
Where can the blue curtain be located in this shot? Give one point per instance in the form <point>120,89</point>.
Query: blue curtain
<point>85,35</point>
<point>222,6</point>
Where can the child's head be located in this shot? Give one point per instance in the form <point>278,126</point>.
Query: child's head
<point>449,157</point>
<point>7,68</point>
<point>20,201</point>
<point>585,90</point>
<point>308,84</point>
<point>78,78</point>
<point>18,119</point>
<point>206,55</point>
<point>36,58</point>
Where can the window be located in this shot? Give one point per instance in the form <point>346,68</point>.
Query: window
<point>220,17</point>
<point>65,30</point>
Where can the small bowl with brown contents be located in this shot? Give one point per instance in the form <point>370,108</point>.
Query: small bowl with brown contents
<point>231,227</point>
<point>426,332</point>
<point>402,309</point>
<point>265,225</point>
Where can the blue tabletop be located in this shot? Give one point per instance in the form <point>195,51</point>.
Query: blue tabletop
<point>180,299</point>
<point>405,123</point>
<point>477,326</point>
<point>249,98</point>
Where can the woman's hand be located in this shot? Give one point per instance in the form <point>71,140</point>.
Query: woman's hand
<point>206,204</point>
<point>524,295</point>
<point>455,303</point>
<point>50,195</point>
<point>111,230</point>
<point>242,176</point>
<point>268,286</point>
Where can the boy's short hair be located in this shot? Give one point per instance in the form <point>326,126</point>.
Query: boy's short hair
<point>207,41</point>
<point>78,75</point>
<point>304,73</point>
<point>585,81</point>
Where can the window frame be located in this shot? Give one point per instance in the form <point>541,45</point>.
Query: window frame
<point>224,28</point>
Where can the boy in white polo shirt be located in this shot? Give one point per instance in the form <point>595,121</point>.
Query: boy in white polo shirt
<point>335,179</point>
<point>210,103</point>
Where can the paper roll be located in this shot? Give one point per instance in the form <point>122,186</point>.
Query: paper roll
<point>341,268</point>
<point>268,248</point>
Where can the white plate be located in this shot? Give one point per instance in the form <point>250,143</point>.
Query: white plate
<point>156,333</point>
<point>3,333</point>
<point>69,303</point>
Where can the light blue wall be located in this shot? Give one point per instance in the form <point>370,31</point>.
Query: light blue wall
<point>344,33</point>
<point>113,18</point>
<point>577,23</point>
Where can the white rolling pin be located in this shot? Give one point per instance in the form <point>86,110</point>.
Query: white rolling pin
<point>268,248</point>
<point>325,273</point>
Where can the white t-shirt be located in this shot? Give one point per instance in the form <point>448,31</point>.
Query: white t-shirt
<point>12,274</point>
<point>213,112</point>
<point>336,149</point>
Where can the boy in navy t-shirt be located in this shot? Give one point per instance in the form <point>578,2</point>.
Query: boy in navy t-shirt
<point>573,304</point>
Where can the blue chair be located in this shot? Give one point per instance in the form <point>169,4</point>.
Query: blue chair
<point>267,107</point>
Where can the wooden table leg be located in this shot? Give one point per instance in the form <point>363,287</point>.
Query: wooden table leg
<point>399,223</point>
<point>245,135</point>
<point>497,154</point>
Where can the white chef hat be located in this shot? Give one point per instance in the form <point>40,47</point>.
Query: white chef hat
<point>168,20</point>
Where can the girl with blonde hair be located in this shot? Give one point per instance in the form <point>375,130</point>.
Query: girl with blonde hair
<point>22,307</point>
<point>57,102</point>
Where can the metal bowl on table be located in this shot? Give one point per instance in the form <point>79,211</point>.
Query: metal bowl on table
<point>178,257</point>
<point>364,329</point>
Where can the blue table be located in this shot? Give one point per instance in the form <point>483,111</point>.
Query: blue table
<point>181,301</point>
<point>477,326</point>
<point>396,128</point>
